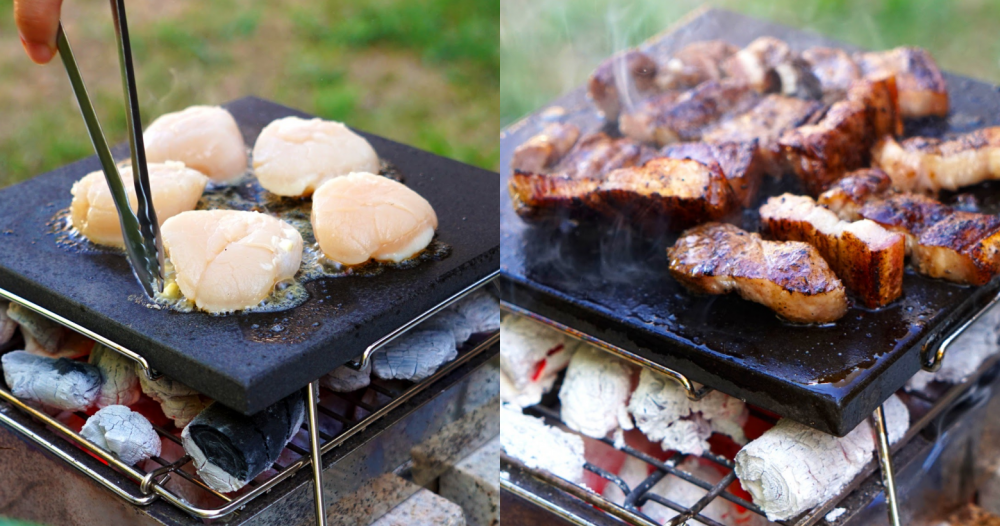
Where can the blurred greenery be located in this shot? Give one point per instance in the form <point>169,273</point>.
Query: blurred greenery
<point>423,72</point>
<point>550,46</point>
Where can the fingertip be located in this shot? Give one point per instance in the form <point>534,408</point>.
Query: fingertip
<point>38,53</point>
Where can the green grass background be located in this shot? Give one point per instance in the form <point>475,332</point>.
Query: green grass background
<point>550,46</point>
<point>424,72</point>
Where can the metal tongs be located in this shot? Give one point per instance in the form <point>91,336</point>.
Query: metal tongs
<point>140,230</point>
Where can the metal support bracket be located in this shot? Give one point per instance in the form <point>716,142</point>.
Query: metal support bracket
<point>316,454</point>
<point>931,355</point>
<point>885,462</point>
<point>131,355</point>
<point>383,341</point>
<point>693,392</point>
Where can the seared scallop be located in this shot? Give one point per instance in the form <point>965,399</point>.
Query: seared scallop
<point>293,156</point>
<point>228,260</point>
<point>205,138</point>
<point>363,216</point>
<point>175,189</point>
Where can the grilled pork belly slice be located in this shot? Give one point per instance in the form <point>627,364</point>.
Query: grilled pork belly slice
<point>693,64</point>
<point>789,277</point>
<point>962,247</point>
<point>834,69</point>
<point>846,197</point>
<point>740,162</point>
<point>866,257</point>
<point>663,194</point>
<point>923,91</point>
<point>769,65</point>
<point>766,122</point>
<point>670,117</point>
<point>922,164</point>
<point>629,76</point>
<point>822,153</point>
<point>545,149</point>
<point>666,194</point>
<point>595,155</point>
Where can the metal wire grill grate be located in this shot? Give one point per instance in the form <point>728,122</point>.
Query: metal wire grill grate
<point>641,494</point>
<point>341,416</point>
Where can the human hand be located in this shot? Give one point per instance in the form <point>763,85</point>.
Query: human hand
<point>37,23</point>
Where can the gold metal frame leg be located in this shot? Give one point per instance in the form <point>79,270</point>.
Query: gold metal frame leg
<point>885,461</point>
<point>312,400</point>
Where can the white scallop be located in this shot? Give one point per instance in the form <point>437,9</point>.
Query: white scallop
<point>363,216</point>
<point>294,157</point>
<point>175,189</point>
<point>229,260</point>
<point>205,138</point>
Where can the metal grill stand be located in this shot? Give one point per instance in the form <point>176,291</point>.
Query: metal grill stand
<point>151,485</point>
<point>931,360</point>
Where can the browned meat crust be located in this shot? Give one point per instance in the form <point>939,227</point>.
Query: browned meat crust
<point>543,196</point>
<point>669,118</point>
<point>740,162</point>
<point>766,122</point>
<point>693,64</point>
<point>789,277</point>
<point>834,69</point>
<point>769,65</point>
<point>632,71</point>
<point>922,164</point>
<point>866,257</point>
<point>942,243</point>
<point>663,194</point>
<point>597,154</point>
<point>923,91</point>
<point>541,151</point>
<point>963,247</point>
<point>822,153</point>
<point>846,197</point>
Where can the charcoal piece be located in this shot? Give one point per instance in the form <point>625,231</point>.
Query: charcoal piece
<point>415,355</point>
<point>230,449</point>
<point>123,432</point>
<point>456,322</point>
<point>482,309</point>
<point>119,383</point>
<point>179,402</point>
<point>59,383</point>
<point>345,379</point>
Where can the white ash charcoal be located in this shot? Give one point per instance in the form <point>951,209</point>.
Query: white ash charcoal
<point>41,335</point>
<point>792,468</point>
<point>966,354</point>
<point>183,409</point>
<point>687,494</point>
<point>595,393</point>
<point>345,379</point>
<point>540,446</point>
<point>123,432</point>
<point>230,449</point>
<point>119,384</point>
<point>531,356</point>
<point>451,320</point>
<point>415,355</point>
<point>664,413</point>
<point>179,402</point>
<point>482,309</point>
<point>58,383</point>
<point>7,324</point>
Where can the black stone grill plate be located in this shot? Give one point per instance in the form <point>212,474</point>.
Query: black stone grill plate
<point>226,358</point>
